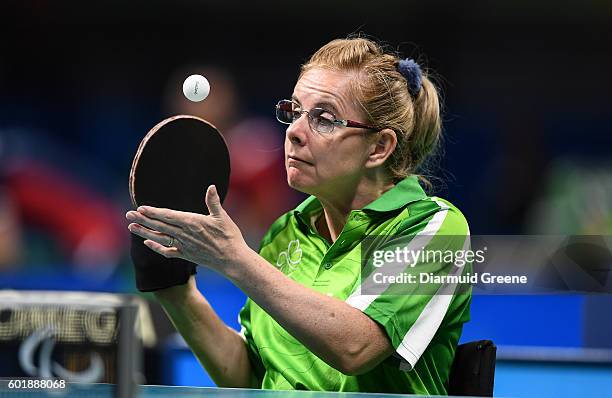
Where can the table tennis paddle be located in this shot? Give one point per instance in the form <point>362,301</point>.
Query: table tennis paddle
<point>176,162</point>
<point>174,165</point>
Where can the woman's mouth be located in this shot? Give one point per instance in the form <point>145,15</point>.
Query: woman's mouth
<point>294,160</point>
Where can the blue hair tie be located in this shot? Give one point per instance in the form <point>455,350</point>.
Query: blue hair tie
<point>412,72</point>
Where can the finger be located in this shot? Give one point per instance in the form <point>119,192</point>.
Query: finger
<point>168,216</point>
<point>153,224</point>
<point>213,202</point>
<point>168,252</point>
<point>146,233</point>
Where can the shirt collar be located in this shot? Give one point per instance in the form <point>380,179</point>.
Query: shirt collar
<point>406,191</point>
<point>306,209</point>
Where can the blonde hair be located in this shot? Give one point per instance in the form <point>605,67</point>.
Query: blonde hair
<point>382,92</point>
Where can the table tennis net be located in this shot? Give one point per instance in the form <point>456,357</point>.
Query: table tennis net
<point>79,337</point>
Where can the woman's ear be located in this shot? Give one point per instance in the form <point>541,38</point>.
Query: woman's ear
<point>381,148</point>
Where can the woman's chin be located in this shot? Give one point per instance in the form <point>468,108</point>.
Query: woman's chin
<point>300,183</point>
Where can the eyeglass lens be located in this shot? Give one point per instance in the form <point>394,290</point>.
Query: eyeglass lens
<point>288,112</point>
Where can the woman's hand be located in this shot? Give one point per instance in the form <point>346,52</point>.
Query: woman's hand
<point>213,240</point>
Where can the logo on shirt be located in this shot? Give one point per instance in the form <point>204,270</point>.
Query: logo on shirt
<point>291,257</point>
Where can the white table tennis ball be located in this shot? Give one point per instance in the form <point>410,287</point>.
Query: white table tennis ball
<point>196,88</point>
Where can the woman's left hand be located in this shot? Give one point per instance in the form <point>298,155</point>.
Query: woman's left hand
<point>212,240</point>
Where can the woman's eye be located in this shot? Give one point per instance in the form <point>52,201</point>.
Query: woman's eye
<point>322,120</point>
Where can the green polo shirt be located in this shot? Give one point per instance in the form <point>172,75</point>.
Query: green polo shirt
<point>422,320</point>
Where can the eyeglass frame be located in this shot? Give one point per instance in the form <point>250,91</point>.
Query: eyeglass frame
<point>335,122</point>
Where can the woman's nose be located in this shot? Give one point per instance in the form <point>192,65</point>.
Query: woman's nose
<point>298,130</point>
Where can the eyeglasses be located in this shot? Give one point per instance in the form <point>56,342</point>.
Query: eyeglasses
<point>319,119</point>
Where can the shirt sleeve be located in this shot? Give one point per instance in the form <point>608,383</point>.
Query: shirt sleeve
<point>244,318</point>
<point>392,292</point>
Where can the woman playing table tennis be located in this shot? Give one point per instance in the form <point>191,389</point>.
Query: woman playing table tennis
<point>319,316</point>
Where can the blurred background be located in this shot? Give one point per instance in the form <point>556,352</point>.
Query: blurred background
<point>528,137</point>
